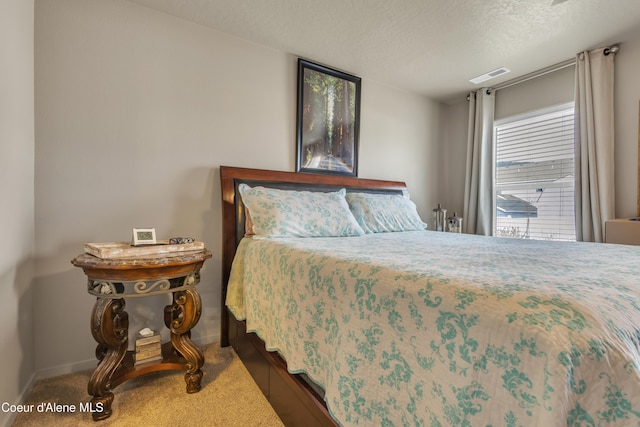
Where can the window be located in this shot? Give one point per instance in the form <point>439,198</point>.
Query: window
<point>534,176</point>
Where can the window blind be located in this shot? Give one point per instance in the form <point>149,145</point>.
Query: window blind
<point>534,179</point>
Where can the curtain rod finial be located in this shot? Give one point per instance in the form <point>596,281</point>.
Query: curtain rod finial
<point>612,49</point>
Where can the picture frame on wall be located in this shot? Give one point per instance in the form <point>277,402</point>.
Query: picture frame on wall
<point>328,120</point>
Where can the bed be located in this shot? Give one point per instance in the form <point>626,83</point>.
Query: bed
<point>417,327</point>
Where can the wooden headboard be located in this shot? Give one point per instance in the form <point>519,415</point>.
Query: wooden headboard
<point>233,209</point>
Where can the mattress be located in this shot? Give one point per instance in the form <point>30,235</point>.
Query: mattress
<point>427,328</point>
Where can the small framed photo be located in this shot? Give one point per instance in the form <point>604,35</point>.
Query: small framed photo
<point>144,236</point>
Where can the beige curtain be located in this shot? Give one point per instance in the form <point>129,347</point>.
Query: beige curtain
<point>594,143</point>
<point>478,191</point>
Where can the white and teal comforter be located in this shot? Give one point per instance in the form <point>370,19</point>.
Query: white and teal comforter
<point>438,329</point>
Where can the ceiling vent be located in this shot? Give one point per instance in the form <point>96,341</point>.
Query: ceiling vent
<point>490,75</point>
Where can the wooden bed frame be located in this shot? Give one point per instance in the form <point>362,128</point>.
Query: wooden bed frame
<point>293,398</point>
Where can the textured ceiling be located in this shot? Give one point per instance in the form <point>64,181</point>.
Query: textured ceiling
<point>432,47</point>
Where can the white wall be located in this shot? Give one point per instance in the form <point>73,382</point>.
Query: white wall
<point>135,112</point>
<point>555,89</point>
<point>627,134</point>
<point>454,156</point>
<point>16,193</point>
<point>400,140</point>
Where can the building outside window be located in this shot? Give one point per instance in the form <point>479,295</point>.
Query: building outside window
<point>534,175</point>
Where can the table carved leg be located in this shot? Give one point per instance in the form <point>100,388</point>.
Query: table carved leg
<point>109,326</point>
<point>180,317</point>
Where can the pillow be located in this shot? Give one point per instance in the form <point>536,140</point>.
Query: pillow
<point>287,213</point>
<point>380,213</point>
<point>248,224</point>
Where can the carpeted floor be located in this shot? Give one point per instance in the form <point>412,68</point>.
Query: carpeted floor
<point>228,398</point>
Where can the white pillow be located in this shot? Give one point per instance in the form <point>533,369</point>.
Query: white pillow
<point>380,213</point>
<point>287,213</point>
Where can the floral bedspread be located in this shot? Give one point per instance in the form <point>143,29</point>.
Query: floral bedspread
<point>440,329</point>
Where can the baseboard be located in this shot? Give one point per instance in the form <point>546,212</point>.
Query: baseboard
<point>72,368</point>
<point>68,368</point>
<point>206,340</point>
<point>7,418</point>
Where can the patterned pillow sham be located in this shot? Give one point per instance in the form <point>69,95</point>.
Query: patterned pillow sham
<point>248,224</point>
<point>288,213</point>
<point>381,213</point>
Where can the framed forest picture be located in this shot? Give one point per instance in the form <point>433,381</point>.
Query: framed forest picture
<point>328,120</point>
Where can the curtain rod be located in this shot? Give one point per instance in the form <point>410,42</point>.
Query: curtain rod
<point>559,66</point>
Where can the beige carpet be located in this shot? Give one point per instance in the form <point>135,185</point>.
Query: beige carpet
<point>228,398</point>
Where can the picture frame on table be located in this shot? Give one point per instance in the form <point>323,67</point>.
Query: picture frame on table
<point>328,120</point>
<point>143,236</point>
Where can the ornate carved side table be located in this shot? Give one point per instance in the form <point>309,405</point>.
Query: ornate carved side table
<point>112,281</point>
